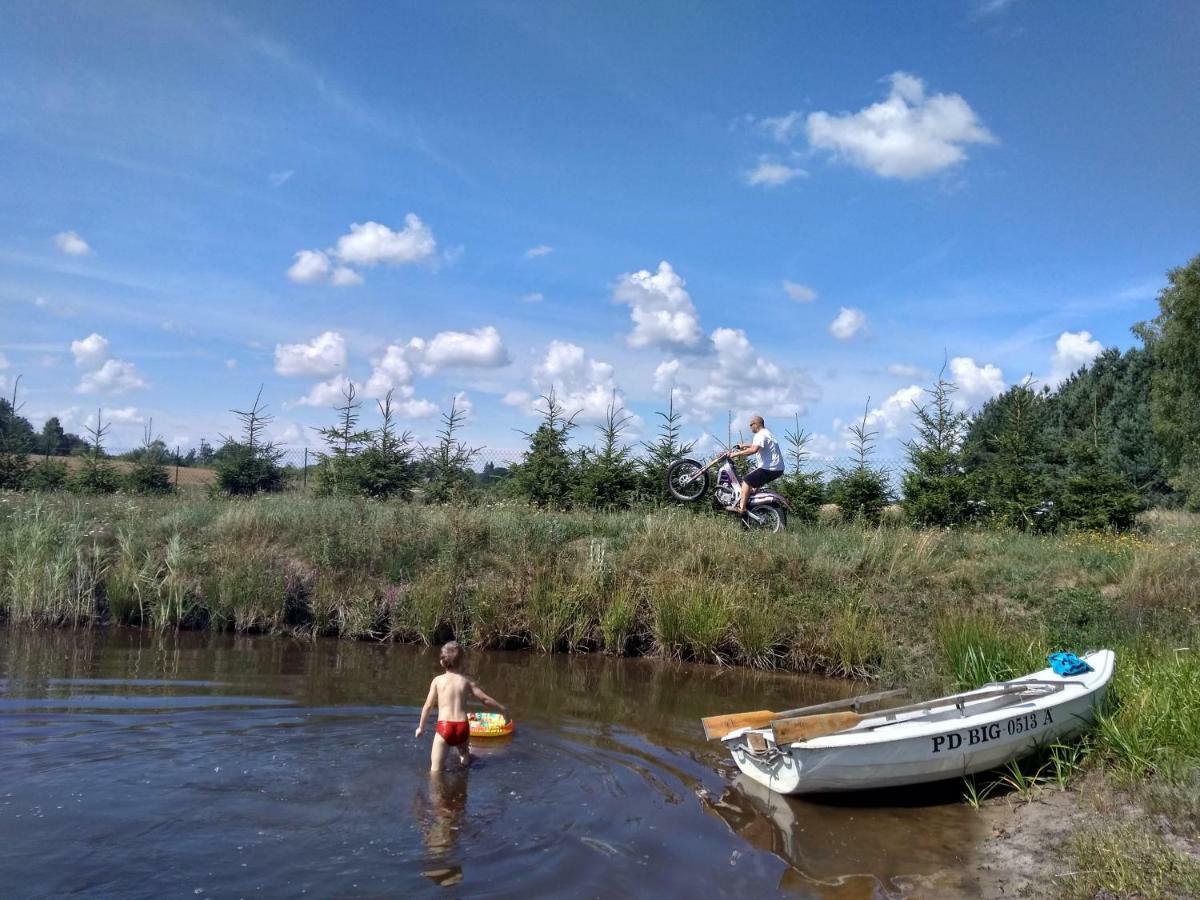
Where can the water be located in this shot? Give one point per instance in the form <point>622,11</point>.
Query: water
<point>145,765</point>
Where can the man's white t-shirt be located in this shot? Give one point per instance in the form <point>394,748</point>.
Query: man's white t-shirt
<point>769,457</point>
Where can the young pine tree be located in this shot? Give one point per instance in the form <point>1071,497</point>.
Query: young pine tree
<point>148,474</point>
<point>608,476</point>
<point>96,475</point>
<point>1016,481</point>
<point>804,490</point>
<point>385,467</point>
<point>546,472</point>
<point>250,465</point>
<point>861,489</point>
<point>667,449</point>
<point>937,488</point>
<point>448,462</point>
<point>338,468</point>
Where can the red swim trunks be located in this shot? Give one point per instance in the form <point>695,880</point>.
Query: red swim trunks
<point>454,733</point>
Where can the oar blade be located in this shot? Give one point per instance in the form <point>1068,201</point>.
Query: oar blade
<point>805,728</point>
<point>716,727</point>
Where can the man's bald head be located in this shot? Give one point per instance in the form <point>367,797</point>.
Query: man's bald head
<point>758,420</point>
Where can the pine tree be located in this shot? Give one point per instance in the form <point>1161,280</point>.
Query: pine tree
<point>804,490</point>
<point>250,465</point>
<point>608,476</point>
<point>14,443</point>
<point>96,475</point>
<point>861,489</point>
<point>448,462</point>
<point>148,475</point>
<point>1173,339</point>
<point>667,449</point>
<point>546,472</point>
<point>1017,482</point>
<point>937,489</point>
<point>338,468</point>
<point>385,467</point>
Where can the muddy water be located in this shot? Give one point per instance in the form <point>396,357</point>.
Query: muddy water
<point>141,765</point>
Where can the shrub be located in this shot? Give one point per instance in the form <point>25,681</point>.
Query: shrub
<point>250,466</point>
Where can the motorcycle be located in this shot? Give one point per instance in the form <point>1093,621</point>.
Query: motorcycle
<point>689,479</point>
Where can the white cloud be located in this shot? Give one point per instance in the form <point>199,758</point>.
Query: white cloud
<point>849,322</point>
<point>583,385</point>
<point>782,128</point>
<point>481,348</point>
<point>666,375</point>
<point>896,413</point>
<point>907,370</point>
<point>518,398</point>
<point>371,243</point>
<point>125,415</point>
<point>772,173</point>
<point>391,371</point>
<point>662,311</point>
<point>278,179</point>
<point>72,244</point>
<point>1072,351</point>
<point>325,393</point>
<point>231,363</point>
<point>539,250</point>
<point>801,293</point>
<point>745,381</point>
<point>976,384</point>
<point>314,266</point>
<point>412,407</point>
<point>324,355</point>
<point>115,376</point>
<point>463,404</point>
<point>91,351</point>
<point>534,297</point>
<point>908,135</point>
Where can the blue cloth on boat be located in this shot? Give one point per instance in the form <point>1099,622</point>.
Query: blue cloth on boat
<point>1067,664</point>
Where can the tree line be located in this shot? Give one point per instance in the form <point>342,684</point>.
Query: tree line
<point>1119,435</point>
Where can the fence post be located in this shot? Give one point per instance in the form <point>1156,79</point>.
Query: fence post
<point>176,467</point>
<point>306,468</point>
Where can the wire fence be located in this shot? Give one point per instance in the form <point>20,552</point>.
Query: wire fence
<point>192,466</point>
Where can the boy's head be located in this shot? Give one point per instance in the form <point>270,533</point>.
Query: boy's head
<point>451,656</point>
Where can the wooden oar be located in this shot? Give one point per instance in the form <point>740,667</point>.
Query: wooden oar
<point>805,728</point>
<point>719,726</point>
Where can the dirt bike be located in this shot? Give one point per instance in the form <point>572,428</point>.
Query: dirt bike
<point>688,480</point>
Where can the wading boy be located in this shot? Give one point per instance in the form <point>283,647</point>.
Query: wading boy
<point>448,692</point>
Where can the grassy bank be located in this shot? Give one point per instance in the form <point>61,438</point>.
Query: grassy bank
<point>928,609</point>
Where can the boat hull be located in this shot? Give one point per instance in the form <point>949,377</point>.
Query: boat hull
<point>877,754</point>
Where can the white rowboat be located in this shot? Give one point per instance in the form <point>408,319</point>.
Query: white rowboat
<point>945,738</point>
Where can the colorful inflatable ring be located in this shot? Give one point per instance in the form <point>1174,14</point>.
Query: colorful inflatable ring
<point>489,725</point>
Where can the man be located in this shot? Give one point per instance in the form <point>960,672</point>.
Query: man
<point>770,461</point>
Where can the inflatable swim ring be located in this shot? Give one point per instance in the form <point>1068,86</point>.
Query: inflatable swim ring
<point>487,725</point>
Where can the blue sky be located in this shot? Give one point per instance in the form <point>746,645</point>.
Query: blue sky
<point>787,208</point>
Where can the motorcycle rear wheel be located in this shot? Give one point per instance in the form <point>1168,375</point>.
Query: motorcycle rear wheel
<point>767,518</point>
<point>685,481</point>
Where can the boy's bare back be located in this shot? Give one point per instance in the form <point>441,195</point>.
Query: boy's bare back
<point>452,689</point>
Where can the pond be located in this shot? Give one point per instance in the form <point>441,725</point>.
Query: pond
<point>141,764</point>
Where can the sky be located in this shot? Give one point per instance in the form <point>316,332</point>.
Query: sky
<point>800,210</point>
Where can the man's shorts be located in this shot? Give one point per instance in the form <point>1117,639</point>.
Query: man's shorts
<point>756,478</point>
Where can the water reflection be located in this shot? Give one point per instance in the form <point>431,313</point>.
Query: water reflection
<point>441,822</point>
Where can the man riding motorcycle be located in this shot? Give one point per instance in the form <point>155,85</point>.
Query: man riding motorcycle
<point>770,462</point>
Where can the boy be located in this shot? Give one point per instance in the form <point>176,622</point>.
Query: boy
<point>448,692</point>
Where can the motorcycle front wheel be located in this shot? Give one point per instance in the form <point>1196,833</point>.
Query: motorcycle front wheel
<point>767,518</point>
<point>686,481</point>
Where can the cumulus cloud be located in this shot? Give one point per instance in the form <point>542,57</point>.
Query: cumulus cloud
<point>976,384</point>
<point>125,415</point>
<point>315,266</point>
<point>895,415</point>
<point>325,393</point>
<point>1072,351</point>
<point>772,173</point>
<point>324,355</point>
<point>71,244</point>
<point>848,323</point>
<point>371,243</point>
<point>115,376</point>
<point>666,375</point>
<point>583,385</point>
<point>783,128</point>
<point>102,374</point>
<point>908,135</point>
<point>801,293</point>
<point>662,311</point>
<point>907,370</point>
<point>91,351</point>
<point>481,348</point>
<point>539,250</point>
<point>744,380</point>
<point>368,244</point>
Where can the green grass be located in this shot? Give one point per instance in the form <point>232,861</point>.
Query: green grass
<point>1128,861</point>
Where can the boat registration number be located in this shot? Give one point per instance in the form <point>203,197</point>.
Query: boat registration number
<point>982,734</point>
